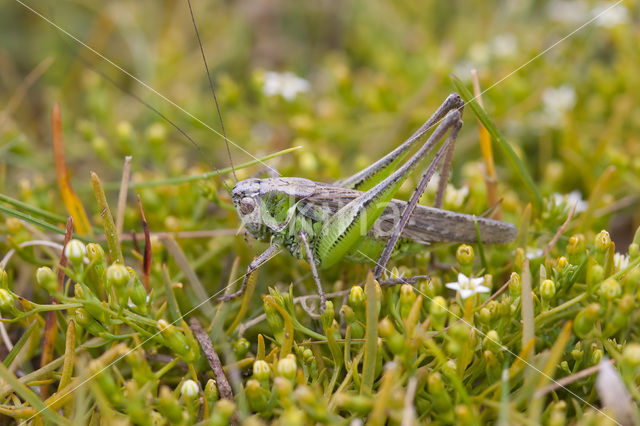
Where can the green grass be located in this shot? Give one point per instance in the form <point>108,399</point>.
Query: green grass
<point>567,121</point>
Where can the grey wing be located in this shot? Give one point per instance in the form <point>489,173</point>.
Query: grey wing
<point>427,225</point>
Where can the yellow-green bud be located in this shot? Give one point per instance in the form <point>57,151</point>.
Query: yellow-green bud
<point>634,250</point>
<point>177,341</point>
<point>305,395</point>
<point>576,245</point>
<point>347,312</point>
<point>464,416</point>
<point>561,263</point>
<point>241,347</point>
<point>7,305</point>
<point>386,328</point>
<point>4,279</point>
<point>169,406</point>
<point>282,386</point>
<point>47,279</point>
<point>585,320</point>
<point>257,396</point>
<point>261,370</point>
<point>595,274</point>
<point>117,275</point>
<point>225,409</point>
<point>492,341</point>
<point>326,318</point>
<point>287,368</point>
<point>95,252</point>
<point>464,254</point>
<point>357,298</point>
<point>603,241</point>
<point>156,133</point>
<point>211,391</point>
<point>547,290</point>
<point>515,285</point>
<point>407,299</point>
<point>610,289</point>
<point>438,311</point>
<point>631,354</point>
<point>596,356</point>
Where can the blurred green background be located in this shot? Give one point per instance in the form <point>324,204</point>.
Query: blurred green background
<point>363,76</point>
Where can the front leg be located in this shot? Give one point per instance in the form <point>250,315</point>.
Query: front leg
<point>314,271</point>
<point>255,264</point>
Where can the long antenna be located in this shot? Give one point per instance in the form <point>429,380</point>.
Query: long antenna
<point>213,90</point>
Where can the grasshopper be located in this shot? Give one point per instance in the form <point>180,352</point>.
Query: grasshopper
<point>357,218</point>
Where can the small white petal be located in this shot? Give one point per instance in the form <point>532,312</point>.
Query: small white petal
<point>477,282</point>
<point>464,293</point>
<point>453,286</point>
<point>462,278</point>
<point>189,389</point>
<point>482,289</point>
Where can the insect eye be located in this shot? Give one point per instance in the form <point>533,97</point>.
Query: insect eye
<point>247,204</point>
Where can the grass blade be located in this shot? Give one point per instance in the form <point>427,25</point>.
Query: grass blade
<point>508,152</point>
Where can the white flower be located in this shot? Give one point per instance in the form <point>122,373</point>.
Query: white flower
<point>504,45</point>
<point>568,11</point>
<point>559,99</point>
<point>534,253</point>
<point>455,197</point>
<point>574,198</point>
<point>620,260</point>
<point>468,286</point>
<point>609,16</point>
<point>286,84</point>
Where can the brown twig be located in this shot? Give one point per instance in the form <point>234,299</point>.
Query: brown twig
<point>146,260</point>
<point>214,361</point>
<point>562,228</point>
<point>565,381</point>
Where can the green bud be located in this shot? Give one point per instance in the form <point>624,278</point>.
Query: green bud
<point>275,321</point>
<point>386,328</point>
<point>577,244</point>
<point>595,275</point>
<point>287,367</point>
<point>357,299</point>
<point>105,381</point>
<point>169,406</point>
<point>631,280</point>
<point>603,241</point>
<point>631,354</point>
<point>634,250</point>
<point>464,254</point>
<point>95,252</point>
<point>430,287</point>
<point>185,347</point>
<point>492,341</point>
<point>558,415</point>
<point>347,313</point>
<point>585,320</point>
<point>484,316</point>
<point>610,289</point>
<point>283,387</point>
<point>211,391</point>
<point>75,251</point>
<point>519,258</point>
<point>358,404</point>
<point>117,279</point>
<point>261,370</point>
<point>7,303</point>
<point>441,398</point>
<point>464,415</point>
<point>561,263</point>
<point>407,299</point>
<point>438,311</point>
<point>547,290</point>
<point>241,347</point>
<point>257,396</point>
<point>326,318</point>
<point>222,412</point>
<point>47,279</point>
<point>515,286</point>
<point>596,356</point>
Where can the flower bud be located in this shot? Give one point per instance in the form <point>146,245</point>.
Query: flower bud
<point>47,279</point>
<point>430,287</point>
<point>464,415</point>
<point>169,406</point>
<point>577,245</point>
<point>610,289</point>
<point>287,368</point>
<point>515,286</point>
<point>347,313</point>
<point>275,321</point>
<point>518,259</point>
<point>634,250</point>
<point>441,398</point>
<point>283,387</point>
<point>241,347</point>
<point>585,320</point>
<point>407,299</point>
<point>561,263</point>
<point>595,275</point>
<point>211,391</point>
<point>596,356</point>
<point>4,279</point>
<point>7,304</point>
<point>438,311</point>
<point>631,354</point>
<point>257,396</point>
<point>189,390</point>
<point>117,276</point>
<point>357,299</point>
<point>222,412</point>
<point>327,317</point>
<point>547,290</point>
<point>186,348</point>
<point>603,241</point>
<point>261,370</point>
<point>492,341</point>
<point>464,254</point>
<point>75,251</point>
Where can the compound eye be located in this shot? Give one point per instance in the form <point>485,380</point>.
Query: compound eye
<point>247,205</point>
